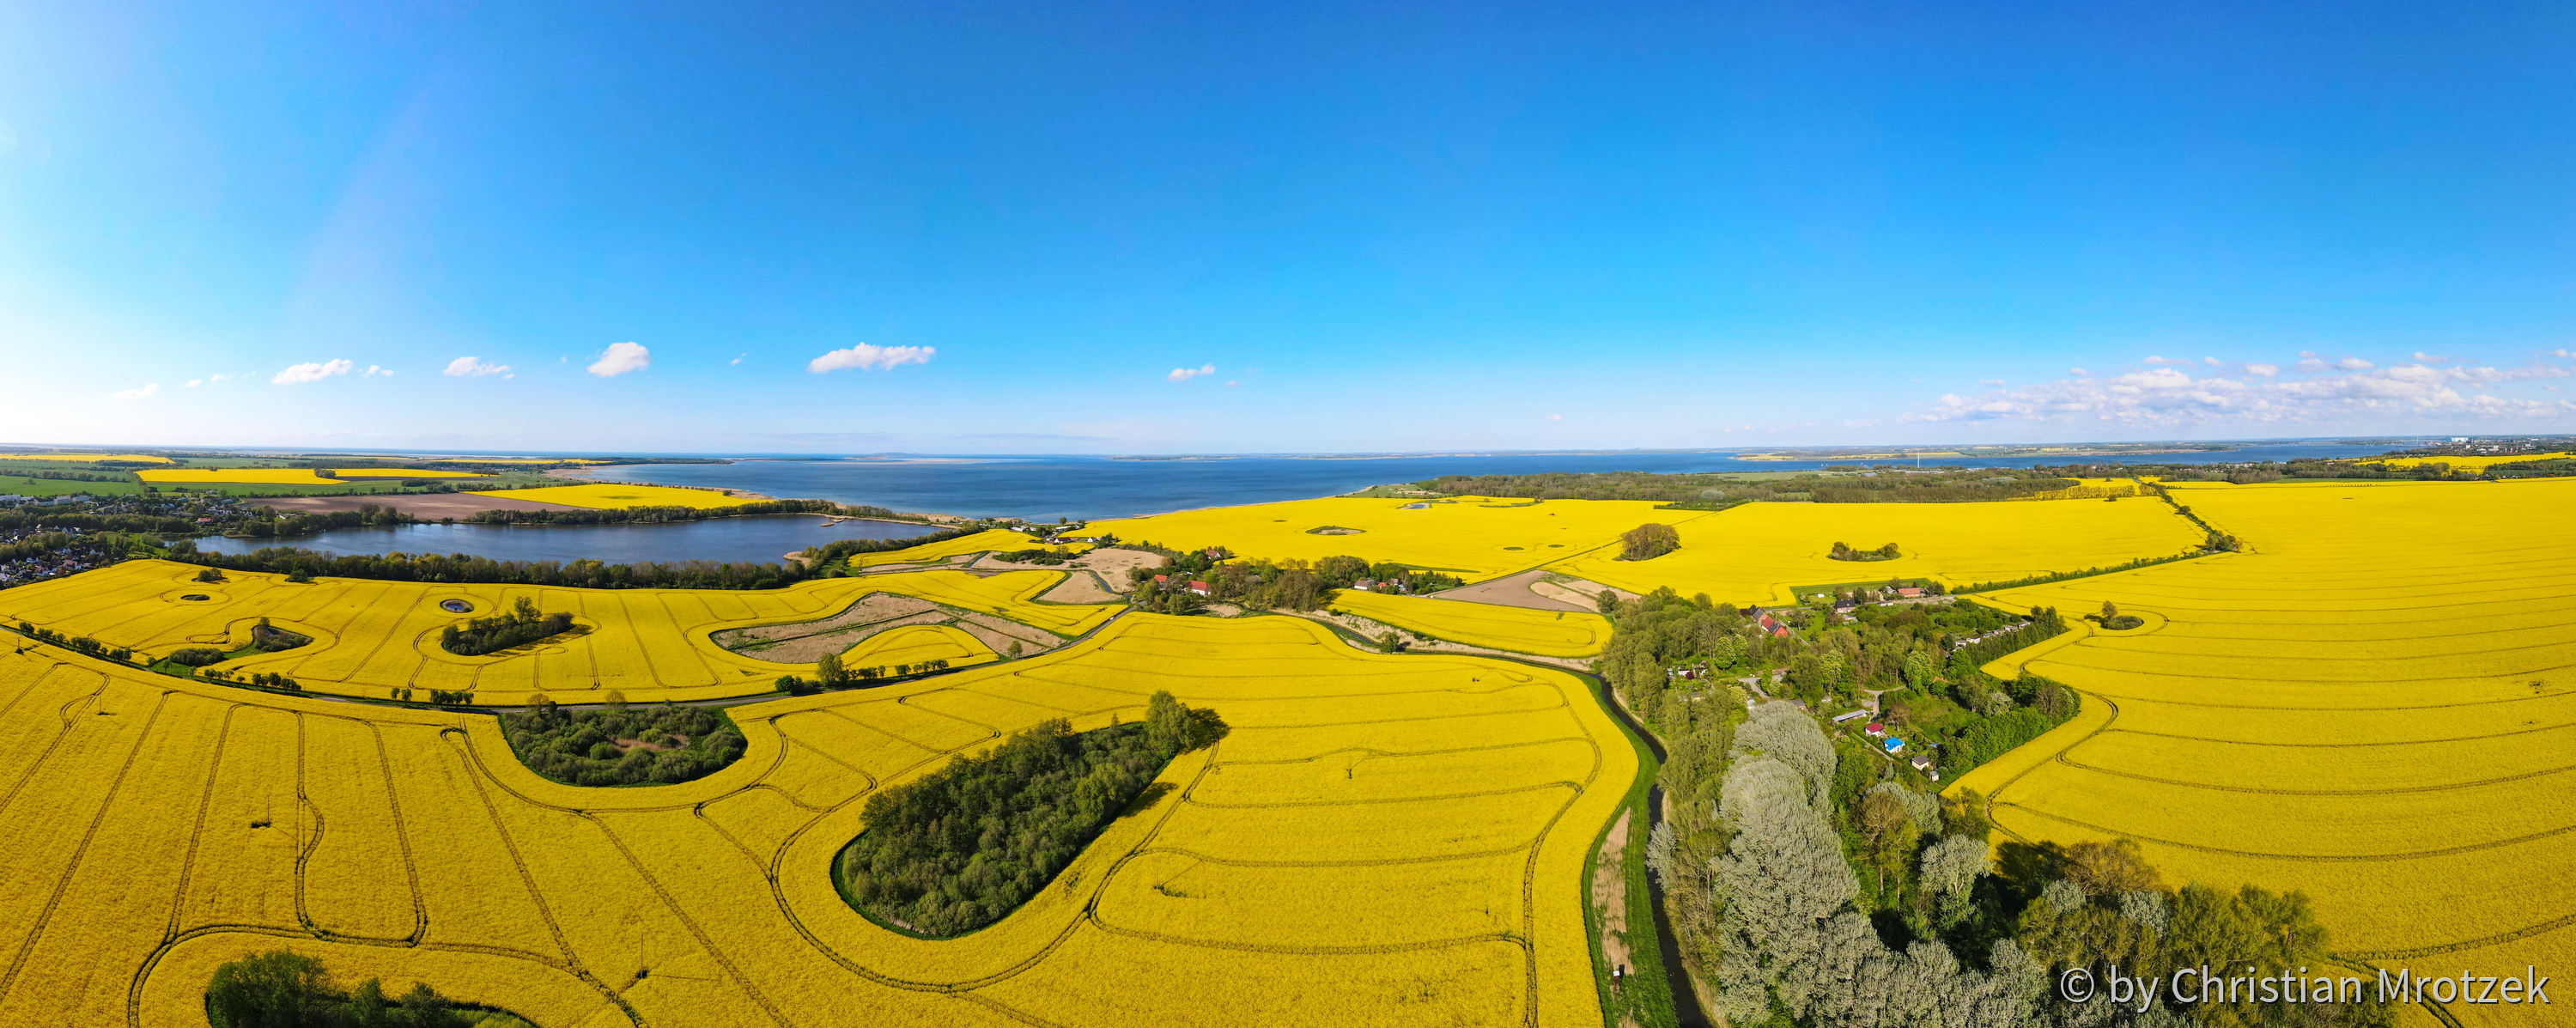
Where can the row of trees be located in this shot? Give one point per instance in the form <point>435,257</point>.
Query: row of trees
<point>1813,881</point>
<point>1258,584</point>
<point>1812,891</point>
<point>468,568</point>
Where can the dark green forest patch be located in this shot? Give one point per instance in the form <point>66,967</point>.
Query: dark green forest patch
<point>962,847</point>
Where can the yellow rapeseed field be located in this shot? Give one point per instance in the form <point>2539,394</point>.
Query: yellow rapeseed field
<point>620,496</point>
<point>405,473</point>
<point>1758,552</point>
<point>235,476</point>
<point>139,458</point>
<point>915,644</point>
<point>1471,536</point>
<point>931,553</point>
<point>2473,463</point>
<point>1381,840</point>
<point>2371,704</point>
<point>1547,633</point>
<point>371,637</point>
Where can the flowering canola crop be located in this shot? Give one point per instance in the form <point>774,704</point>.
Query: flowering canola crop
<point>1381,840</point>
<point>371,637</point>
<point>1476,537</point>
<point>621,496</point>
<point>1759,552</point>
<point>1547,633</point>
<point>2370,704</point>
<point>931,553</point>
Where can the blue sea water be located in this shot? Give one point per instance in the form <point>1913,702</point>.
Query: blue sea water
<point>1081,488</point>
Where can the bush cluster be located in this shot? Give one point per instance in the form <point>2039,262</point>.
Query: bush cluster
<point>580,747</point>
<point>522,625</point>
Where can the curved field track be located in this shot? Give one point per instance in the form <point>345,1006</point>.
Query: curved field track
<point>2375,705</point>
<point>1380,840</point>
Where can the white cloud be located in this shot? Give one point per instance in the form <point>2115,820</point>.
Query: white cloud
<point>1556,417</point>
<point>2354,364</point>
<point>2265,370</point>
<point>621,358</point>
<point>1990,381</point>
<point>1186,374</point>
<point>2158,362</point>
<point>137,394</point>
<point>2211,361</point>
<point>2429,358</point>
<point>2307,353</point>
<point>2312,364</point>
<point>870,358</point>
<point>310,372</point>
<point>194,382</point>
<point>2070,371</point>
<point>737,360</point>
<point>2167,398</point>
<point>474,367</point>
<point>1231,385</point>
<point>215,378</point>
<point>2561,353</point>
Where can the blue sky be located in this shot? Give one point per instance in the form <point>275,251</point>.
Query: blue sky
<point>1385,227</point>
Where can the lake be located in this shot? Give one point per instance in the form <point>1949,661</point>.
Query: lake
<point>1082,488</point>
<point>763,539</point>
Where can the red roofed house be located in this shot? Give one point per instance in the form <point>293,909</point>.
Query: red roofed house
<point>1909,592</point>
<point>1875,729</point>
<point>1200,588</point>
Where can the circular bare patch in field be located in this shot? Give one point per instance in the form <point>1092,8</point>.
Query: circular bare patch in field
<point>456,606</point>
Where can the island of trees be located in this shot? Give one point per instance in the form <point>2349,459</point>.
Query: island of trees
<point>961,847</point>
<point>1843,551</point>
<point>521,626</point>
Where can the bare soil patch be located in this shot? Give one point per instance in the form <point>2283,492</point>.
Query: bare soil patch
<point>1610,895</point>
<point>630,745</point>
<point>1000,633</point>
<point>1110,563</point>
<point>428,506</point>
<point>1514,591</point>
<point>804,642</point>
<point>1578,591</point>
<point>1080,587</point>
